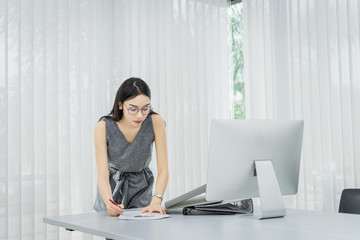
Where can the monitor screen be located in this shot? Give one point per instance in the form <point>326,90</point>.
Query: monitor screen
<point>234,147</point>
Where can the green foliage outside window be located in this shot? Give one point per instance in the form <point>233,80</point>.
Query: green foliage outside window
<point>236,27</point>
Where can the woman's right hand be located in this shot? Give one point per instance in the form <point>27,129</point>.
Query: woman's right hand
<point>114,210</point>
<point>103,169</point>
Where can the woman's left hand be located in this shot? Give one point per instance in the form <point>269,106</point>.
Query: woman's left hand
<point>154,208</point>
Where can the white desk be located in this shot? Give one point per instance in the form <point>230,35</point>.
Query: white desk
<point>297,224</point>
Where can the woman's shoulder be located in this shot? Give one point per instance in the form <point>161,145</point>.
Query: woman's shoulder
<point>157,121</point>
<point>101,124</point>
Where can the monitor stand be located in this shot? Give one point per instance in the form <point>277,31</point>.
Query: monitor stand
<point>272,204</point>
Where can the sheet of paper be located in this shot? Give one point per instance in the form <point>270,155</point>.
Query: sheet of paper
<point>136,215</point>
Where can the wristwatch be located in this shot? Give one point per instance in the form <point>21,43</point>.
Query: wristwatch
<point>158,195</point>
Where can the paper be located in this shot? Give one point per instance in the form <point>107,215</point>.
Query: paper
<point>136,215</point>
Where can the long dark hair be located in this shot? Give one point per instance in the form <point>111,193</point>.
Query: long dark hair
<point>129,89</point>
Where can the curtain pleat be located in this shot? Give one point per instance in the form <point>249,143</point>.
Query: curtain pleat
<point>302,61</point>
<point>61,63</point>
<point>4,170</point>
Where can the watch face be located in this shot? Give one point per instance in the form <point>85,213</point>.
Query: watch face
<point>158,195</point>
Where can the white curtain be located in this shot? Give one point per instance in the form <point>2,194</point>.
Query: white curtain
<point>302,61</point>
<point>61,63</point>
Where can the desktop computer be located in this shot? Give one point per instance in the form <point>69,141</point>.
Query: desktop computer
<point>254,158</point>
<point>251,158</point>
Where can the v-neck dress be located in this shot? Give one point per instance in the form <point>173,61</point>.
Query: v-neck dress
<point>130,177</point>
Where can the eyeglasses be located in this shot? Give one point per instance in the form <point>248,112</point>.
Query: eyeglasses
<point>134,110</point>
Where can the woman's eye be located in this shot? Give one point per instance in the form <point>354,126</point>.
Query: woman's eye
<point>132,109</point>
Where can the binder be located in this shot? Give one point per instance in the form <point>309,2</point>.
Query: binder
<point>173,203</point>
<point>195,203</point>
<point>221,208</point>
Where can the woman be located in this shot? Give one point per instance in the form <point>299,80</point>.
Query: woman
<point>123,146</point>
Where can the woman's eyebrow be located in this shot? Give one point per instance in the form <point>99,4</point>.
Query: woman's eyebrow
<point>137,106</point>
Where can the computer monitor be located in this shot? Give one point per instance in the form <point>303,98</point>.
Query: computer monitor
<point>254,158</point>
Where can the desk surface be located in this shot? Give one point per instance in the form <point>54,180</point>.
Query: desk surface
<point>297,224</point>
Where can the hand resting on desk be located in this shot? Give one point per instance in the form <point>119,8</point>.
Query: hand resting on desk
<point>154,207</point>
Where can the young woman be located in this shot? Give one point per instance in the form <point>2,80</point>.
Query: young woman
<point>123,146</point>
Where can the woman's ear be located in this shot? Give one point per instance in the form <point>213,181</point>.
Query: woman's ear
<point>120,106</point>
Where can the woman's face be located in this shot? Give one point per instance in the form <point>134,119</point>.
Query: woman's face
<point>136,110</point>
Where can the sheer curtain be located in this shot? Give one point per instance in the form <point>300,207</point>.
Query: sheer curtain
<point>61,63</point>
<point>302,62</point>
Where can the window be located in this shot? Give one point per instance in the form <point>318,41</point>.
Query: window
<point>237,43</point>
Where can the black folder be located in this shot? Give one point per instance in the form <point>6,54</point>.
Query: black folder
<point>220,208</point>
<point>195,203</point>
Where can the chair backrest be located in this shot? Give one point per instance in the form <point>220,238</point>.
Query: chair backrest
<point>350,201</point>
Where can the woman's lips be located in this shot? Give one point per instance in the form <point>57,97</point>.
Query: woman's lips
<point>138,122</point>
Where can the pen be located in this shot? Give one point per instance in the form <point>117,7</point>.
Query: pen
<point>113,202</point>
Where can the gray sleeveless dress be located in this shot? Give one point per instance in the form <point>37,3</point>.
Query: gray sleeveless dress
<point>130,177</point>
